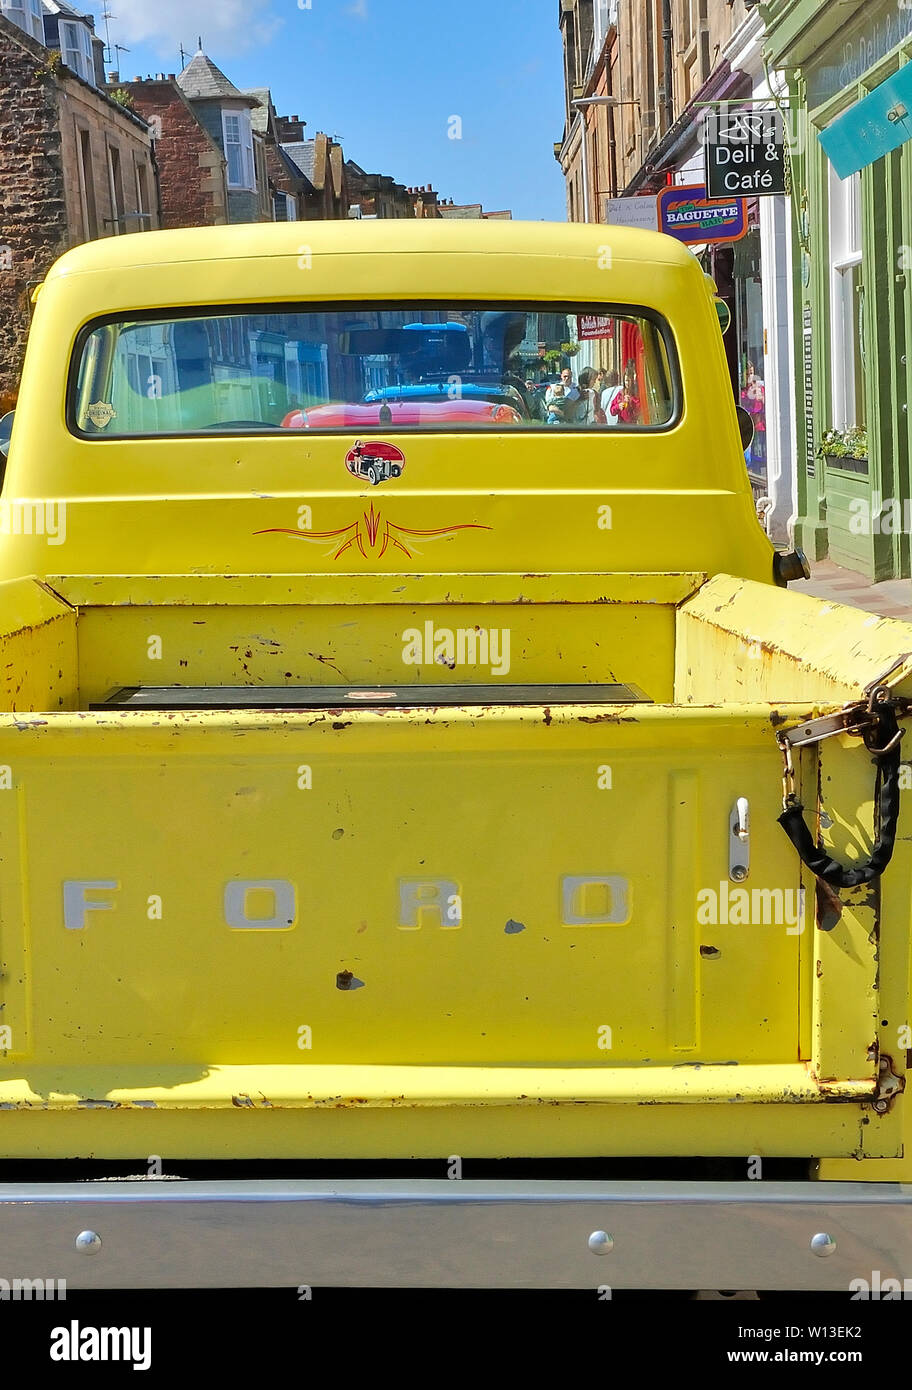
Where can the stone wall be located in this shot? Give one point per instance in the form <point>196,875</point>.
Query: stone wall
<point>87,115</point>
<point>33,218</point>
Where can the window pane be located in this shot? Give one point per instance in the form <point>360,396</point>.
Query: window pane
<point>849,301</point>
<point>358,369</point>
<point>235,165</point>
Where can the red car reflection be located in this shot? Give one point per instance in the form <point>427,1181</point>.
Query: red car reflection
<point>383,414</point>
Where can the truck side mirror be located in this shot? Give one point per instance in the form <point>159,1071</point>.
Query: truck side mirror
<point>6,430</point>
<point>745,425</point>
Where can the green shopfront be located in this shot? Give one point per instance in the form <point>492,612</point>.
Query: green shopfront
<point>849,70</point>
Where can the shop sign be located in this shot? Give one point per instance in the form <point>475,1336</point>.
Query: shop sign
<point>688,214</point>
<point>594,326</point>
<point>632,212</point>
<point>881,122</point>
<point>745,154</point>
<point>860,46</point>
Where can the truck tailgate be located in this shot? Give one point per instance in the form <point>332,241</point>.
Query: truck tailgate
<point>510,904</point>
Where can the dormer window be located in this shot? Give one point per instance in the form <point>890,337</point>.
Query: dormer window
<point>26,14</point>
<point>238,139</point>
<point>76,49</point>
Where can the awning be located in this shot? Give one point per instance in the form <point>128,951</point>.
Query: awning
<point>879,123</point>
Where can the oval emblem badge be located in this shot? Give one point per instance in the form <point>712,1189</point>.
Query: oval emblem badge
<point>375,462</point>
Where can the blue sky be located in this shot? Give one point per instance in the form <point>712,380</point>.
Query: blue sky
<point>387,76</point>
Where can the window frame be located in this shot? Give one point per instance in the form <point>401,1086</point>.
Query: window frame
<point>600,308</point>
<point>291,206</point>
<point>244,145</point>
<point>85,166</point>
<point>845,255</point>
<point>116,189</point>
<point>32,22</point>
<point>83,52</point>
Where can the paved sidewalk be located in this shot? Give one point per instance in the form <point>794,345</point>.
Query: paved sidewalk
<point>892,599</point>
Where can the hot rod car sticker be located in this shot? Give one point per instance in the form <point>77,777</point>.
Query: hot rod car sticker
<point>376,462</point>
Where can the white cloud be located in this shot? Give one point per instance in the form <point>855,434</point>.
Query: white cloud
<point>228,27</point>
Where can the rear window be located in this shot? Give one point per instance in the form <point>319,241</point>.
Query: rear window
<point>350,370</point>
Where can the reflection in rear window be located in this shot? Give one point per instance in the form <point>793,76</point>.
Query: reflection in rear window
<point>407,368</point>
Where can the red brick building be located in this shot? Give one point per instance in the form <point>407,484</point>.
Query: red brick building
<point>191,167</point>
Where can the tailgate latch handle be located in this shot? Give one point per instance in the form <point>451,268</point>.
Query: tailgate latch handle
<point>876,721</point>
<point>739,841</point>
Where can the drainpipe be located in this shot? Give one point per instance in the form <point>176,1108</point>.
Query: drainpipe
<point>612,137</point>
<point>584,163</point>
<point>668,61</point>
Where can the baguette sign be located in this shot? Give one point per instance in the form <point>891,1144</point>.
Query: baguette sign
<point>690,216</point>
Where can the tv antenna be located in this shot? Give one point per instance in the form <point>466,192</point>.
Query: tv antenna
<point>107,16</point>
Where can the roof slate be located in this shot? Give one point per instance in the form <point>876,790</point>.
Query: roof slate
<point>259,117</point>
<point>303,154</point>
<point>201,80</point>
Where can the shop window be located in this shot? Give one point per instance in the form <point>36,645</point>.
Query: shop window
<point>751,338</point>
<point>847,304</point>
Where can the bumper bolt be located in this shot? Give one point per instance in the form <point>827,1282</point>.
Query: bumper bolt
<point>823,1244</point>
<point>88,1242</point>
<point>601,1243</point>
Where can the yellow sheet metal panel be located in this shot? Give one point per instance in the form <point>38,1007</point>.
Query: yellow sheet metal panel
<point>16,964</point>
<point>543,1130</point>
<point>386,644</point>
<point>356,1086</point>
<point>269,590</point>
<point>317,841</point>
<point>756,642</point>
<point>37,648</point>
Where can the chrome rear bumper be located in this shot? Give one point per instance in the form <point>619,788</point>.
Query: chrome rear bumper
<point>461,1234</point>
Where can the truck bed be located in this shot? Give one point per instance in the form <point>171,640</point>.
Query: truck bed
<point>504,908</point>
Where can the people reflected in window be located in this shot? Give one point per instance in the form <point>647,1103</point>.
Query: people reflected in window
<point>626,406</point>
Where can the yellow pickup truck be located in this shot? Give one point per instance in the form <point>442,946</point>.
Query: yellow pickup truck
<point>436,849</point>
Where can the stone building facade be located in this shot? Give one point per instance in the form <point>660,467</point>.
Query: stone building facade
<point>212,160</point>
<point>656,59</point>
<point>641,76</point>
<point>321,164</point>
<point>74,165</point>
